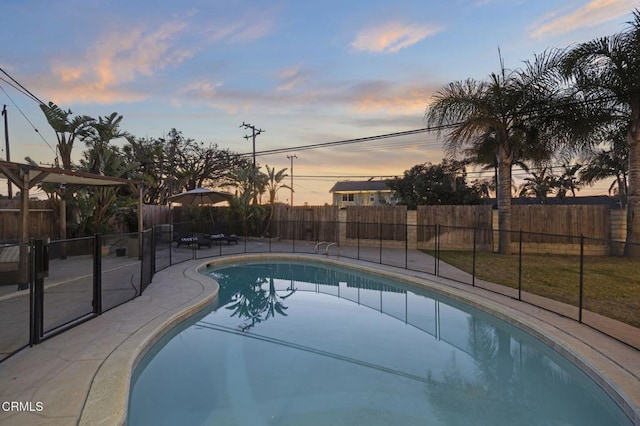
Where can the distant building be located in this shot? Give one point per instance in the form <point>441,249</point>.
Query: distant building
<point>362,193</point>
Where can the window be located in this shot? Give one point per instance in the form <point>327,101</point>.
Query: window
<point>347,197</point>
<point>372,198</point>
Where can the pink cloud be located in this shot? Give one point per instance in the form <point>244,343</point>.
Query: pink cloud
<point>116,59</point>
<point>391,37</point>
<point>593,13</point>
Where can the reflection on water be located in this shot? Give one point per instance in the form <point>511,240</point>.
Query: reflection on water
<point>294,343</point>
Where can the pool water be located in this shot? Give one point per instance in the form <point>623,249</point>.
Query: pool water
<point>291,343</point>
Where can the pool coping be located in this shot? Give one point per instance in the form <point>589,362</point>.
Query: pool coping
<point>586,357</point>
<point>92,387</point>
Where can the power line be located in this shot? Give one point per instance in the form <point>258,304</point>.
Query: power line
<point>350,141</point>
<point>26,118</point>
<point>25,90</point>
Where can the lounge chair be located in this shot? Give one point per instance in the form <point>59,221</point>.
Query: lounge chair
<point>199,239</point>
<point>219,237</point>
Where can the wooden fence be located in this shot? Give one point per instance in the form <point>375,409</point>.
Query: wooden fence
<point>591,221</point>
<point>310,223</point>
<point>42,220</point>
<point>377,222</point>
<point>456,225</point>
<point>387,223</point>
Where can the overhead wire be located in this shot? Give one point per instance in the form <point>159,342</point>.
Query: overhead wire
<point>26,118</point>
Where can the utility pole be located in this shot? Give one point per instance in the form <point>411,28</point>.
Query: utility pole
<point>6,141</point>
<point>254,132</point>
<point>291,157</point>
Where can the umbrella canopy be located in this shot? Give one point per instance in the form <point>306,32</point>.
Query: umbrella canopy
<point>200,196</point>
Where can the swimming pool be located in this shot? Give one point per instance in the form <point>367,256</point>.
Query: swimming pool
<point>302,343</point>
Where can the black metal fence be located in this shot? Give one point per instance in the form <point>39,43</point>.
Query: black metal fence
<point>56,285</point>
<point>64,283</point>
<point>589,280</point>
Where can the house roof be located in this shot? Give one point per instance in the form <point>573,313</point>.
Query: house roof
<point>360,186</point>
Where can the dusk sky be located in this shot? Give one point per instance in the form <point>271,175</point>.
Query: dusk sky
<point>306,72</point>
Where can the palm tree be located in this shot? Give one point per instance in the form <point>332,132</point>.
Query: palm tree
<point>105,130</point>
<point>497,111</point>
<point>273,185</point>
<point>67,129</point>
<point>568,181</point>
<point>538,185</point>
<point>606,73</point>
<point>607,163</point>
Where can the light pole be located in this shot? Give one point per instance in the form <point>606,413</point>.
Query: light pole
<point>291,157</point>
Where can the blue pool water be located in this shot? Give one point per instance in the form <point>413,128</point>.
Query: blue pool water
<point>309,344</point>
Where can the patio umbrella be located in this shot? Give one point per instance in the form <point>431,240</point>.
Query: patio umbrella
<point>200,196</point>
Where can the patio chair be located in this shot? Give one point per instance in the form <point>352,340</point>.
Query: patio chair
<point>200,240</point>
<point>217,237</point>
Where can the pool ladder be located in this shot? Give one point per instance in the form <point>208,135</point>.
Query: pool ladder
<point>328,246</point>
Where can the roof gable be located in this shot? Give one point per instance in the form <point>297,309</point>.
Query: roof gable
<point>360,186</point>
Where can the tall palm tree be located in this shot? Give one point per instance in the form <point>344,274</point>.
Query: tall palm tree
<point>496,111</point>
<point>67,129</point>
<point>606,73</point>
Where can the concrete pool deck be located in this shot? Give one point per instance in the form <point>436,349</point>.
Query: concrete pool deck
<point>82,376</point>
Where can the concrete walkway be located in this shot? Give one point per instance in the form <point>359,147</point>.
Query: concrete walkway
<point>82,376</point>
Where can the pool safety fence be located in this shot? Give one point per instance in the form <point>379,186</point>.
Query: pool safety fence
<point>48,287</point>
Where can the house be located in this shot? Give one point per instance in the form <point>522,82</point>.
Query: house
<point>362,193</point>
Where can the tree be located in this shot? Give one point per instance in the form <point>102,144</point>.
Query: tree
<point>175,164</point>
<point>249,183</point>
<point>605,71</point>
<point>538,185</point>
<point>273,185</point>
<point>568,181</point>
<point>602,163</point>
<point>499,111</point>
<point>429,184</point>
<point>98,142</point>
<point>67,129</point>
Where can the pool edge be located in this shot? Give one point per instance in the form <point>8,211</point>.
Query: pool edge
<point>107,401</point>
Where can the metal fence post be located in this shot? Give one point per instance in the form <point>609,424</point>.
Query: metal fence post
<point>97,274</point>
<point>437,250</point>
<point>380,235</point>
<point>37,301</point>
<point>358,238</point>
<point>581,278</point>
<point>519,265</point>
<point>473,266</point>
<point>406,245</point>
<point>153,253</point>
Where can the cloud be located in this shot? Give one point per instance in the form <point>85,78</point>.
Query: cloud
<point>248,28</point>
<point>290,78</point>
<point>386,97</point>
<point>593,13</point>
<point>391,37</point>
<point>118,58</point>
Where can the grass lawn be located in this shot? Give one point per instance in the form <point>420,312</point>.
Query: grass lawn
<point>611,284</point>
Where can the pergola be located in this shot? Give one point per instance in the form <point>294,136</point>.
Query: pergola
<point>26,176</point>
